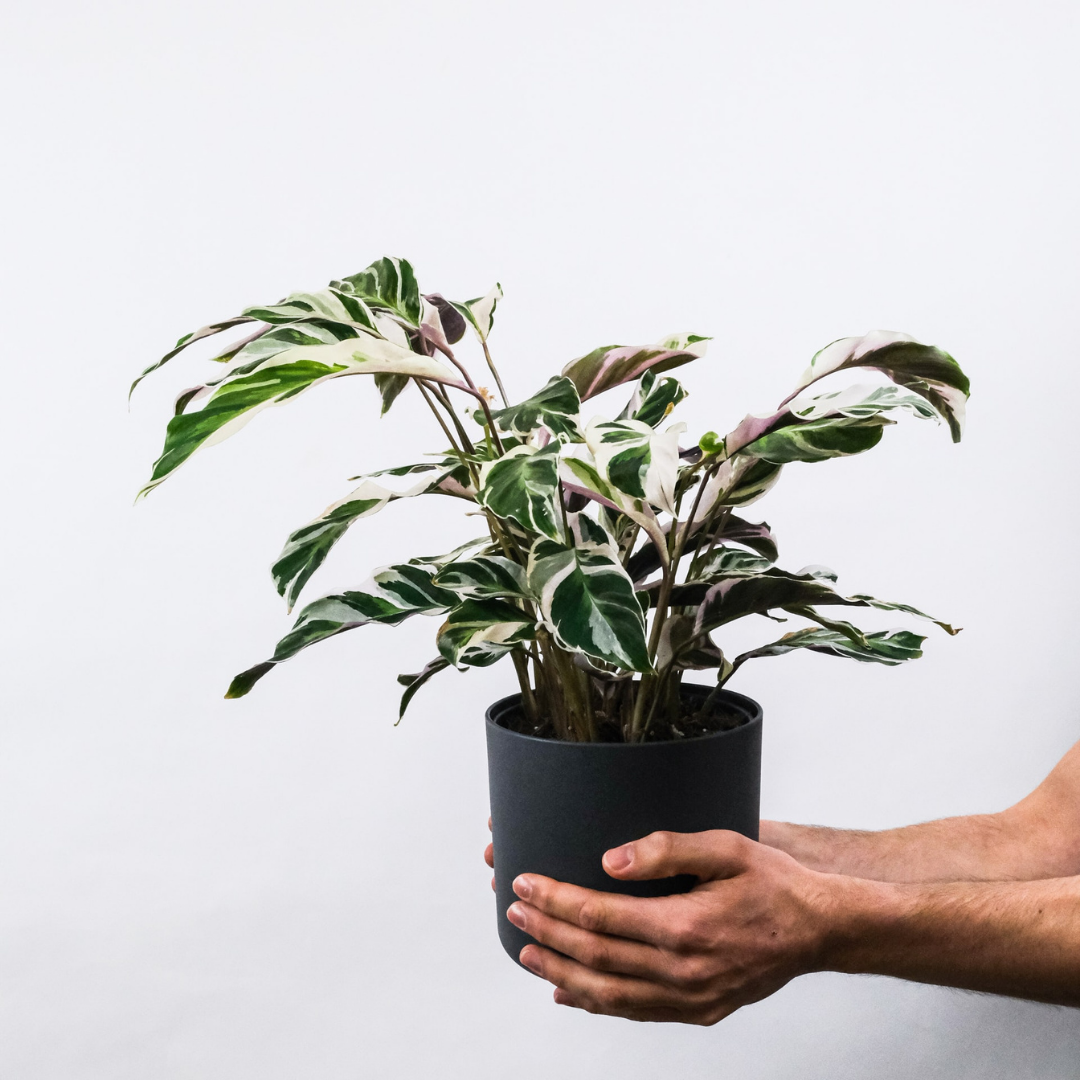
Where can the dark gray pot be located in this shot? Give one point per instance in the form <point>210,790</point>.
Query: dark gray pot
<point>556,807</point>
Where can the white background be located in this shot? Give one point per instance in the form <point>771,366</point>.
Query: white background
<point>287,886</point>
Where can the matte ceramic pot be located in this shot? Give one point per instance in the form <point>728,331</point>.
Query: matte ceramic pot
<point>556,807</point>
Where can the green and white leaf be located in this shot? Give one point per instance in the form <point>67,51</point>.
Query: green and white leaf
<point>555,406</point>
<point>891,647</point>
<point>637,460</point>
<point>579,474</point>
<point>734,598</point>
<point>907,609</point>
<point>923,369</point>
<point>727,562</point>
<point>388,283</point>
<point>818,440</point>
<point>394,594</point>
<point>306,548</point>
<point>412,588</point>
<point>436,562</point>
<point>331,304</point>
<point>285,376</point>
<point>412,683</point>
<point>861,402</point>
<point>479,632</point>
<point>587,602</point>
<point>190,339</point>
<point>613,365</point>
<point>484,576</point>
<point>680,645</point>
<point>724,527</point>
<point>653,400</point>
<point>480,312</point>
<point>523,485</point>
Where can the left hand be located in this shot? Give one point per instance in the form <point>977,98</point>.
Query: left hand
<point>755,920</point>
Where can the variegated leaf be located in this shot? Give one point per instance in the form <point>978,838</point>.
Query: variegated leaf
<point>587,601</point>
<point>451,323</point>
<point>637,460</point>
<point>523,485</point>
<point>889,647</point>
<point>726,562</point>
<point>907,609</point>
<point>923,369</point>
<point>726,527</point>
<point>388,283</point>
<point>412,683</point>
<point>484,576</point>
<point>479,632</point>
<point>395,593</point>
<point>306,548</point>
<point>612,365</point>
<point>861,402</point>
<point>579,474</point>
<point>774,589</point>
<point>190,339</point>
<point>480,313</point>
<point>653,400</point>
<point>687,650</point>
<point>818,440</point>
<point>412,587</point>
<point>331,304</point>
<point>734,598</point>
<point>555,406</point>
<point>589,535</point>
<point>235,401</point>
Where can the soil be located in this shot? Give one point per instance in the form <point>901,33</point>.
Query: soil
<point>691,725</point>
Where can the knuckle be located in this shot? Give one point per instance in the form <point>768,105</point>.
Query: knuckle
<point>692,971</point>
<point>690,935</point>
<point>592,915</point>
<point>662,845</point>
<point>596,955</point>
<point>610,997</point>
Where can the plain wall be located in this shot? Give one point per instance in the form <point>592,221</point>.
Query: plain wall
<point>288,885</point>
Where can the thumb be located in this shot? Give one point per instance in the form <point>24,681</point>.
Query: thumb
<point>707,855</point>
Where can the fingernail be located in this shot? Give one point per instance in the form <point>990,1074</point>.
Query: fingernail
<point>621,857</point>
<point>523,887</point>
<point>529,958</point>
<point>516,914</point>
<point>562,998</point>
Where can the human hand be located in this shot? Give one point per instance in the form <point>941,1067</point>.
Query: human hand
<point>756,920</point>
<point>489,856</point>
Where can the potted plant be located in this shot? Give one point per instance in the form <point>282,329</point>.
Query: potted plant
<point>608,552</point>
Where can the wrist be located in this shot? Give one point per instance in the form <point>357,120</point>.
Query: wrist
<point>856,920</point>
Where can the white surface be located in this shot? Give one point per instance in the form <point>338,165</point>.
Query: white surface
<point>287,886</point>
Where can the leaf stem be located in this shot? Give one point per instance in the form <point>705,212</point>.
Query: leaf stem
<point>495,372</point>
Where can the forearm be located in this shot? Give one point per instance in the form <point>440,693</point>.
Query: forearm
<point>982,847</point>
<point>1037,838</point>
<point>1016,938</point>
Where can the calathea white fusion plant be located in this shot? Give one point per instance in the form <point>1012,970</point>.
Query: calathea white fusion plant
<point>609,553</point>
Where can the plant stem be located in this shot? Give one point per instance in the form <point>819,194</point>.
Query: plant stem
<point>528,699</point>
<point>447,404</point>
<point>449,354</point>
<point>495,372</point>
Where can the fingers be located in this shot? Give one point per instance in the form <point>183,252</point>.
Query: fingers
<point>709,856</point>
<point>613,995</point>
<point>640,919</point>
<point>600,952</point>
<point>489,855</point>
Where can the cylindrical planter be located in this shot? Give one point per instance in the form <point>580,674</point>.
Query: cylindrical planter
<point>556,807</point>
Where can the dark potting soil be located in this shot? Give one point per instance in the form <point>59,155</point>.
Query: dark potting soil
<point>691,725</point>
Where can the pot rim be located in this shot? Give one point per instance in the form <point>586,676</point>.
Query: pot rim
<point>747,705</point>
